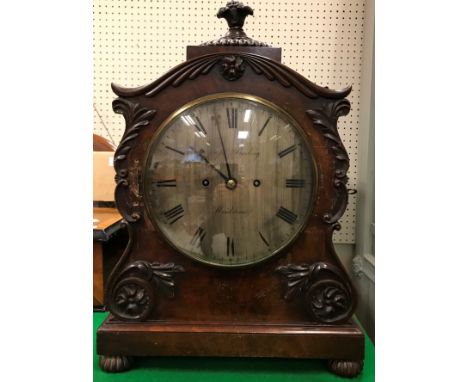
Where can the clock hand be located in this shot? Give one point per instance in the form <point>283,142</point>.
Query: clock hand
<point>209,164</point>
<point>224,150</point>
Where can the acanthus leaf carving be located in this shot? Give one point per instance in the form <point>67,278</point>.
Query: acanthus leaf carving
<point>325,120</point>
<point>297,279</point>
<point>136,117</point>
<point>162,274</point>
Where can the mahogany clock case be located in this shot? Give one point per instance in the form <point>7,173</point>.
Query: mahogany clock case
<point>267,309</point>
<point>242,295</point>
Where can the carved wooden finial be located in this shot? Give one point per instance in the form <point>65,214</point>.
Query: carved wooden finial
<point>235,13</point>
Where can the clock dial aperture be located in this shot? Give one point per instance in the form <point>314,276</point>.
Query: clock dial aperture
<point>230,180</point>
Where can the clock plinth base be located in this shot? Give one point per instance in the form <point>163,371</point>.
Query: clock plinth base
<point>217,339</point>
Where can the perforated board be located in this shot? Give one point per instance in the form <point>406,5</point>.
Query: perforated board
<point>136,41</point>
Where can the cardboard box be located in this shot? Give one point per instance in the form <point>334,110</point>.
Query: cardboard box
<point>103,176</point>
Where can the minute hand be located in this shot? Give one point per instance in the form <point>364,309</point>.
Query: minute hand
<point>224,150</point>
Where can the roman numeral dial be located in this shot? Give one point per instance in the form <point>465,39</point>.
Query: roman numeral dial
<point>231,180</point>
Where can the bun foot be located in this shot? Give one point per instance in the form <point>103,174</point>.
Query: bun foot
<point>115,363</point>
<point>344,368</point>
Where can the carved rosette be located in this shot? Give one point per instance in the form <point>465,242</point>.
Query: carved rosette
<point>328,300</point>
<point>325,120</point>
<point>133,295</point>
<point>232,67</point>
<point>133,299</point>
<point>325,293</point>
<point>136,117</point>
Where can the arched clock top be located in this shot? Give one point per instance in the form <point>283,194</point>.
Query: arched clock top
<point>232,67</point>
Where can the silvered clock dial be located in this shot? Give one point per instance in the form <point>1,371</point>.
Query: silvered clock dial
<point>229,180</point>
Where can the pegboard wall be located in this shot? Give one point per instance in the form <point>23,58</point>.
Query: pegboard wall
<point>136,41</point>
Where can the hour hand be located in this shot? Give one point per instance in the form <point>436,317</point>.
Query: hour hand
<point>205,159</point>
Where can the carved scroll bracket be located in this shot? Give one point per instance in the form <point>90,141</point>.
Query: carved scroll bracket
<point>136,117</point>
<point>133,295</point>
<point>326,294</point>
<point>325,119</point>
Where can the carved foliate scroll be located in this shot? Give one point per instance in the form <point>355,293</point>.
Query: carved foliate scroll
<point>325,120</point>
<point>133,295</point>
<point>324,291</point>
<point>136,118</point>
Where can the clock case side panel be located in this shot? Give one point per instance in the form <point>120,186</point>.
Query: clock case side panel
<point>252,294</point>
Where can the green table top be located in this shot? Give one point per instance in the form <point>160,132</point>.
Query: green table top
<point>190,369</point>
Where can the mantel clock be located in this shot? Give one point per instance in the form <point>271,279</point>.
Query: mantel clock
<point>231,178</point>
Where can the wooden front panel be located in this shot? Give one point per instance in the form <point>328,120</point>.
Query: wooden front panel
<point>251,294</point>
